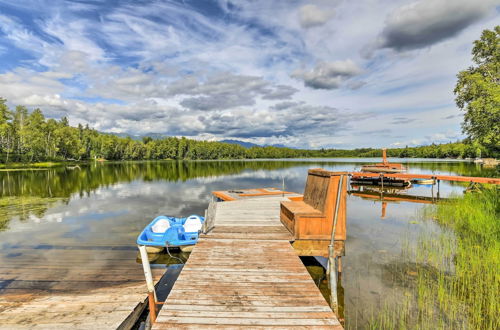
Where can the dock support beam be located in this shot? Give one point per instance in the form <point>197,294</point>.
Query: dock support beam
<point>149,282</point>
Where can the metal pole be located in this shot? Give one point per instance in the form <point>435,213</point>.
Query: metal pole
<point>332,266</point>
<point>149,282</point>
<point>336,214</point>
<point>332,260</point>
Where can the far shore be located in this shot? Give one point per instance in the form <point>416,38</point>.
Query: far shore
<point>19,166</point>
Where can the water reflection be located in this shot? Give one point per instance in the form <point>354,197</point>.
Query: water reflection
<point>65,223</point>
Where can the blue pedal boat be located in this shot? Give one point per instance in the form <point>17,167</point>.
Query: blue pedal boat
<point>169,232</point>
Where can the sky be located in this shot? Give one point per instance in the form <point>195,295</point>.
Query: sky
<point>307,74</point>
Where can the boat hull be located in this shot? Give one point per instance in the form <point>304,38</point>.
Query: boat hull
<point>187,248</point>
<point>423,182</point>
<point>154,249</point>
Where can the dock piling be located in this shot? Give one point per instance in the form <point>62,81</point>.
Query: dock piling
<point>149,282</point>
<point>438,189</point>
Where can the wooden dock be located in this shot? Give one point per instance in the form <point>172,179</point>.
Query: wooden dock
<point>71,287</point>
<point>245,273</point>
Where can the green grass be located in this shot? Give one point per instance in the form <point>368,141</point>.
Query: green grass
<point>457,269</point>
<point>37,165</point>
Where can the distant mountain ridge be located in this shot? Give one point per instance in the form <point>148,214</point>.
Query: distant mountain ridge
<point>250,144</point>
<point>241,143</point>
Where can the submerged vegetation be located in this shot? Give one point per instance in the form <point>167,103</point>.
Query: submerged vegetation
<point>24,208</point>
<point>452,278</point>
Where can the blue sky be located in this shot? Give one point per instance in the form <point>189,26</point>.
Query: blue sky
<point>324,73</point>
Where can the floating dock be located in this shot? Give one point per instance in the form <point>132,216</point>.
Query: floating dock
<point>409,176</point>
<point>245,272</point>
<point>71,286</point>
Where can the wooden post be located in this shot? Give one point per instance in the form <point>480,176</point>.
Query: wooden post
<point>438,189</point>
<point>152,307</point>
<point>149,282</point>
<point>432,190</point>
<point>208,224</point>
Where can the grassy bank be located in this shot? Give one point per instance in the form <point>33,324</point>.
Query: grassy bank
<point>451,276</point>
<point>33,165</point>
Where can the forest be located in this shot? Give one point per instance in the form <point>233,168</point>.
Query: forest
<point>28,137</point>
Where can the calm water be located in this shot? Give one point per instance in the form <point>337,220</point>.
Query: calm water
<point>69,218</point>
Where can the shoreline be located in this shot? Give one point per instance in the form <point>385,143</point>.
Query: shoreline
<point>49,164</point>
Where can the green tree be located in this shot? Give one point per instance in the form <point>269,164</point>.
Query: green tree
<point>6,131</point>
<point>34,134</point>
<point>20,130</point>
<point>50,139</point>
<point>478,92</point>
<point>69,146</point>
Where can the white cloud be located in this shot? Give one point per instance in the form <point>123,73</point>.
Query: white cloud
<point>328,75</point>
<point>181,69</point>
<point>312,15</point>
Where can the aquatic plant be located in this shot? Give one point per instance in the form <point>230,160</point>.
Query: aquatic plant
<point>24,207</point>
<point>455,272</point>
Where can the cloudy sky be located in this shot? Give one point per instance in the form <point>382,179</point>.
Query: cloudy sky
<point>324,73</point>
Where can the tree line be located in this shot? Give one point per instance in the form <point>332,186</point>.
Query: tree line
<point>30,137</point>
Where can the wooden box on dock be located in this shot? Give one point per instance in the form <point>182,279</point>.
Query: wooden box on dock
<point>311,217</point>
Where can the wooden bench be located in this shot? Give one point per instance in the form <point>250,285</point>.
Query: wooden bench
<point>311,218</point>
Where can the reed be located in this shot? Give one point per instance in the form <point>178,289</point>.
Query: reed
<point>456,269</point>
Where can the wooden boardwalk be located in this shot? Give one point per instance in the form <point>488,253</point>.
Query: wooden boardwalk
<point>71,287</point>
<point>245,273</point>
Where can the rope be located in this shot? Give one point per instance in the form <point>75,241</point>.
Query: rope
<point>171,256</point>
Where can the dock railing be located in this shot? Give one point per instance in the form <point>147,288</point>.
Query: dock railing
<point>332,256</point>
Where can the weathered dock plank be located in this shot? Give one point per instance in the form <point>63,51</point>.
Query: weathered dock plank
<point>245,273</point>
<point>70,288</point>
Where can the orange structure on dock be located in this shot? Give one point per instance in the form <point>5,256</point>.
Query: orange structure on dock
<point>384,167</point>
<point>408,176</point>
<point>311,217</point>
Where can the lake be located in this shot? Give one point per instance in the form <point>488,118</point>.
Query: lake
<point>59,222</point>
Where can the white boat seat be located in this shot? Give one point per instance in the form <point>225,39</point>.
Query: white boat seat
<point>192,225</point>
<point>160,226</point>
